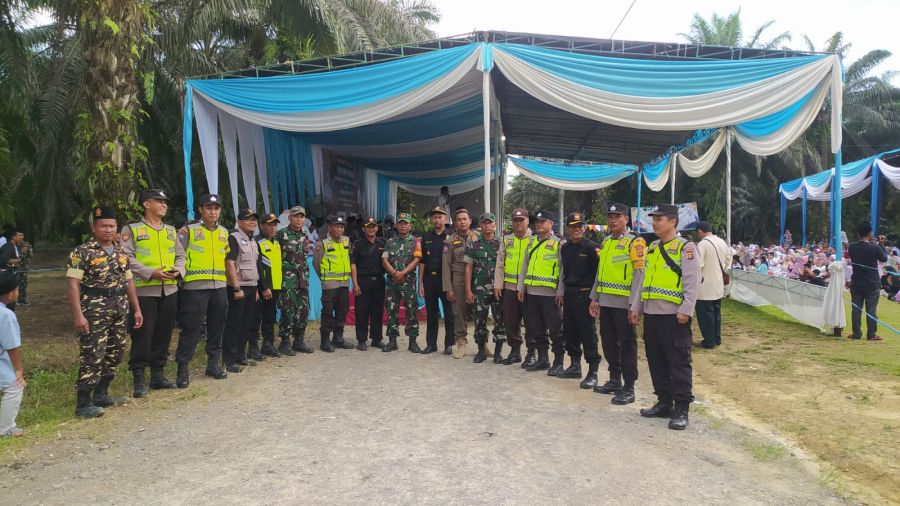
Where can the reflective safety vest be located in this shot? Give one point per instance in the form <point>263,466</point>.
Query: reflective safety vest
<point>271,251</point>
<point>543,264</point>
<point>205,253</point>
<point>515,254</point>
<point>335,259</point>
<point>154,249</point>
<point>615,270</point>
<point>660,281</point>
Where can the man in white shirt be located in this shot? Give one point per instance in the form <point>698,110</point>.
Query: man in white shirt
<point>715,256</point>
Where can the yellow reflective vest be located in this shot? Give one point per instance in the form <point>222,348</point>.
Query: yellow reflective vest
<point>335,260</point>
<point>205,253</point>
<point>660,281</point>
<point>515,255</point>
<point>154,249</point>
<point>543,264</point>
<point>615,270</point>
<point>271,251</point>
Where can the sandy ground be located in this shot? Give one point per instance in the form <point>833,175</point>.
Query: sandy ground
<point>368,427</point>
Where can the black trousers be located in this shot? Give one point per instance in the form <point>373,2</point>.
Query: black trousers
<point>434,292</point>
<point>513,314</point>
<point>668,347</point>
<point>239,326</point>
<point>150,343</point>
<point>370,308</point>
<point>335,306</point>
<point>619,341</point>
<point>542,318</point>
<point>264,320</point>
<point>579,327</point>
<point>195,307</point>
<point>709,319</point>
<point>869,299</point>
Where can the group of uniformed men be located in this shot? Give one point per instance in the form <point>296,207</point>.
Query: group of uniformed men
<point>234,282</point>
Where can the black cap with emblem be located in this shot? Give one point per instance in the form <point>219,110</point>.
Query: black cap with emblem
<point>336,220</point>
<point>103,213</point>
<point>153,193</point>
<point>576,218</point>
<point>664,210</point>
<point>210,198</point>
<point>544,215</point>
<point>246,214</point>
<point>617,208</point>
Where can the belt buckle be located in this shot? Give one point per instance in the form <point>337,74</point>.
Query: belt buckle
<point>433,273</point>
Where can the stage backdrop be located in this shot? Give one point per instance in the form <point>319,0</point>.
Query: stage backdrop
<point>342,185</point>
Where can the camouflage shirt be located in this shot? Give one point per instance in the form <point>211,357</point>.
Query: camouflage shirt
<point>25,254</point>
<point>401,251</point>
<point>294,246</point>
<point>96,268</point>
<point>482,254</point>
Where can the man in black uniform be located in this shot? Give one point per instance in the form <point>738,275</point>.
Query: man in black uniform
<point>367,273</point>
<point>431,283</point>
<point>578,268</point>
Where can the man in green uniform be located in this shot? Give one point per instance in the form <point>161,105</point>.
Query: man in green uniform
<point>401,256</point>
<point>332,263</point>
<point>481,260</point>
<point>100,290</point>
<point>295,280</point>
<point>454,276</point>
<point>26,253</point>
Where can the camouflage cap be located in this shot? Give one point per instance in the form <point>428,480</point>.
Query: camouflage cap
<point>297,210</point>
<point>406,217</point>
<point>488,217</point>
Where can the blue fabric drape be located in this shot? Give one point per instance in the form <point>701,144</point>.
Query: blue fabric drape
<point>774,122</point>
<point>876,198</point>
<point>783,217</point>
<point>803,236</point>
<point>576,172</point>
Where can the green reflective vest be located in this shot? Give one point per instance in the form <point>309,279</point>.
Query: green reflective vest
<point>515,255</point>
<point>154,249</point>
<point>205,253</point>
<point>615,270</point>
<point>543,264</point>
<point>271,251</point>
<point>335,259</point>
<point>660,281</point>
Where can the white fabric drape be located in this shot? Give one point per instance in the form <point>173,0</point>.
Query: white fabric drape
<point>660,183</point>
<point>568,185</point>
<point>229,144</point>
<point>208,134</point>
<point>803,301</point>
<point>891,173</point>
<point>259,150</point>
<point>784,137</point>
<point>833,305</point>
<point>702,164</point>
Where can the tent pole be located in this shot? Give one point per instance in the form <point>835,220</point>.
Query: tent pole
<point>562,200</point>
<point>486,122</point>
<point>674,165</point>
<point>803,237</point>
<point>781,220</point>
<point>728,185</point>
<point>836,195</point>
<point>640,185</point>
<point>876,197</point>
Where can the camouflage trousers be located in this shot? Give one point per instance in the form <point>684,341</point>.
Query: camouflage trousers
<point>484,302</point>
<point>22,276</point>
<point>402,295</point>
<point>294,305</point>
<point>102,348</point>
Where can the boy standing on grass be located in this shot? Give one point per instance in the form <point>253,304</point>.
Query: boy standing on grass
<point>12,376</point>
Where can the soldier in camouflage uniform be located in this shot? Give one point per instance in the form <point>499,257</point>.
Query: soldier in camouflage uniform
<point>481,259</point>
<point>26,252</point>
<point>294,299</point>
<point>100,289</point>
<point>401,256</point>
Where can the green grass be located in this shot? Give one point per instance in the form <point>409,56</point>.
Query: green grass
<point>764,452</point>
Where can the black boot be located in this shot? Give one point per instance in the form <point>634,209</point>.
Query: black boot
<point>300,344</point>
<point>325,343</point>
<point>498,350</point>
<point>557,368</point>
<point>102,397</point>
<point>662,409</point>
<point>84,407</point>
<point>338,341</point>
<point>362,346</point>
<point>431,348</point>
<point>213,370</point>
<point>377,343</point>
<point>679,419</point>
<point>542,363</point>
<point>481,356</point>
<point>182,378</point>
<point>574,369</point>
<point>530,358</point>
<point>256,356</point>
<point>140,385</point>
<point>448,350</point>
<point>514,356</point>
<point>414,346</point>
<point>625,395</point>
<point>268,349</point>
<point>391,345</point>
<point>285,347</point>
<point>158,379</point>
<point>610,387</point>
<point>590,379</point>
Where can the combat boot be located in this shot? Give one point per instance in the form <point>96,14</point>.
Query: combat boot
<point>140,385</point>
<point>285,348</point>
<point>182,378</point>
<point>377,343</point>
<point>213,370</point>
<point>325,343</point>
<point>268,349</point>
<point>574,369</point>
<point>514,355</point>
<point>498,352</point>
<point>361,345</point>
<point>429,349</point>
<point>542,363</point>
<point>625,395</point>
<point>530,358</point>
<point>338,341</point>
<point>662,409</point>
<point>557,368</point>
<point>590,379</point>
<point>158,379</point>
<point>414,346</point>
<point>480,356</point>
<point>610,387</point>
<point>102,397</point>
<point>300,344</point>
<point>459,351</point>
<point>448,350</point>
<point>391,345</point>
<point>679,419</point>
<point>84,408</point>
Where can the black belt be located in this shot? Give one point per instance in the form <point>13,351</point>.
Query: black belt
<point>102,292</point>
<point>371,278</point>
<point>577,289</point>
<point>434,273</point>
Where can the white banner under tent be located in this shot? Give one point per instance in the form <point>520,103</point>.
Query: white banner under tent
<point>802,301</point>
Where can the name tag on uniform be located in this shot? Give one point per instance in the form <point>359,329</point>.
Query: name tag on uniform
<point>198,234</point>
<point>549,246</point>
<point>582,254</point>
<point>510,243</point>
<point>457,243</point>
<point>98,261</point>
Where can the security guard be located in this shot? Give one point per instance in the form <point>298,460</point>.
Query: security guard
<point>577,271</point>
<point>203,296</point>
<point>401,256</point>
<point>506,278</point>
<point>538,287</point>
<point>270,274</point>
<point>481,260</point>
<point>667,300</point>
<point>100,290</point>
<point>242,266</point>
<point>454,276</point>
<point>331,260</point>
<point>156,258</point>
<point>431,283</point>
<point>367,273</point>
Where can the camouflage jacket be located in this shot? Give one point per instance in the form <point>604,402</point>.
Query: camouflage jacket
<point>26,252</point>
<point>294,246</point>
<point>90,264</point>
<point>482,254</point>
<point>401,251</point>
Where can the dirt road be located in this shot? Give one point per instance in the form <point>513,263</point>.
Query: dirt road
<point>369,427</point>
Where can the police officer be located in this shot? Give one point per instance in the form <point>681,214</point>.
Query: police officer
<point>203,296</point>
<point>242,266</point>
<point>332,263</point>
<point>454,276</point>
<point>156,258</point>
<point>401,256</point>
<point>578,269</point>
<point>100,290</point>
<point>506,279</point>
<point>270,263</point>
<point>538,287</point>
<point>367,273</point>
<point>294,298</point>
<point>619,275</point>
<point>481,260</point>
<point>668,295</point>
<point>431,283</point>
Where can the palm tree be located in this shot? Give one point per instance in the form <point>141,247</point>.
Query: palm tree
<point>728,31</point>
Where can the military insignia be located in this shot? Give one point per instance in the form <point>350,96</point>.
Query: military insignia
<point>639,250</point>
<point>75,261</point>
<point>98,212</point>
<point>198,234</point>
<point>98,261</point>
<point>457,243</point>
